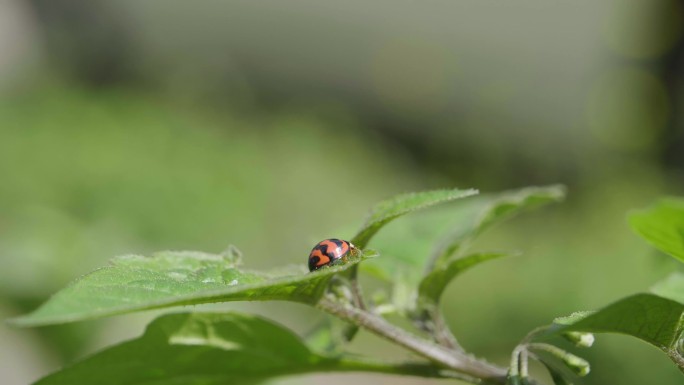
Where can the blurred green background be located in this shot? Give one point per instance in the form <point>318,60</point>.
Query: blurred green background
<point>129,127</point>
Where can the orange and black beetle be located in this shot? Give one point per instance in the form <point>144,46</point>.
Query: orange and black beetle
<point>328,252</point>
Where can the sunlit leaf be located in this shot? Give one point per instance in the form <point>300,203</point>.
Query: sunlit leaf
<point>133,283</point>
<point>213,349</point>
<point>662,225</point>
<point>388,210</point>
<point>572,318</point>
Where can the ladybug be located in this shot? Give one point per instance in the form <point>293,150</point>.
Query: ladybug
<point>328,252</point>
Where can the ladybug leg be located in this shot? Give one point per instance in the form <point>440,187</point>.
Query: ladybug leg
<point>353,252</point>
<point>338,261</point>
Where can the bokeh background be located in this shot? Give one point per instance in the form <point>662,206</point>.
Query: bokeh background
<point>129,127</point>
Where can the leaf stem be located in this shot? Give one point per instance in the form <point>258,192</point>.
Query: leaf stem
<point>418,369</point>
<point>524,371</point>
<point>514,367</point>
<point>677,359</point>
<point>442,334</point>
<point>451,359</point>
<point>357,293</point>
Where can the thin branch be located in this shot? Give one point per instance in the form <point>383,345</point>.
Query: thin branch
<point>534,333</point>
<point>524,371</point>
<point>442,334</point>
<point>431,320</point>
<point>447,358</point>
<point>514,366</point>
<point>676,358</point>
<point>357,293</point>
<point>354,285</point>
<point>418,369</point>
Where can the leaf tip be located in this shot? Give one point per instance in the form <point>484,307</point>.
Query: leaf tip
<point>23,321</point>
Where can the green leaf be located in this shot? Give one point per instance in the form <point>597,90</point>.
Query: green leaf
<point>572,318</point>
<point>408,245</point>
<point>212,349</point>
<point>656,320</point>
<point>494,210</point>
<point>324,336</point>
<point>662,225</point>
<point>388,210</point>
<point>432,286</point>
<point>671,287</point>
<point>200,348</point>
<point>134,283</point>
<point>510,203</point>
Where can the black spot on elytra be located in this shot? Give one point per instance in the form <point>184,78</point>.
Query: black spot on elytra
<point>313,262</point>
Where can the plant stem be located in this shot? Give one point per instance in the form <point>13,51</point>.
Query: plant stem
<point>418,369</point>
<point>524,371</point>
<point>678,360</point>
<point>357,293</point>
<point>443,335</point>
<point>451,359</point>
<point>532,334</point>
<point>431,320</point>
<point>514,366</point>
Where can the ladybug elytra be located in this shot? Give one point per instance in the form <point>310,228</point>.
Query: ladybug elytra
<point>328,252</point>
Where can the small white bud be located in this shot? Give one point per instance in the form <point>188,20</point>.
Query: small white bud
<point>580,339</point>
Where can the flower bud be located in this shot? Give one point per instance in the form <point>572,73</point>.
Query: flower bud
<point>578,365</point>
<point>580,339</point>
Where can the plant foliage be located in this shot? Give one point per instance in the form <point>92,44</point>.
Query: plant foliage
<point>165,279</point>
<point>218,348</point>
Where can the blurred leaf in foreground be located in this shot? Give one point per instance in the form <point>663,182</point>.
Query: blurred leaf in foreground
<point>207,349</point>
